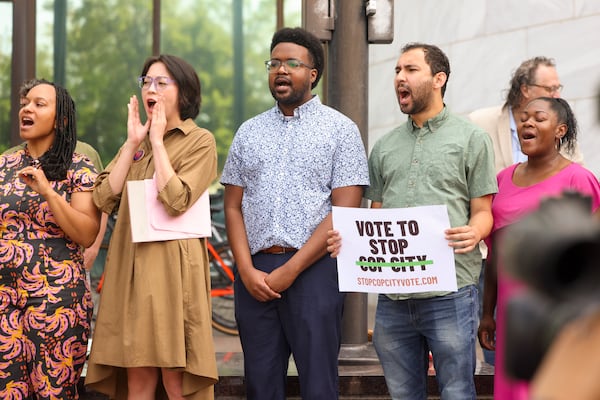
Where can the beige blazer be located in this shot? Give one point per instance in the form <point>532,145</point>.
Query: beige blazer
<point>496,122</point>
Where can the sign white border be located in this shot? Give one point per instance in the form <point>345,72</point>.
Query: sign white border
<point>394,250</point>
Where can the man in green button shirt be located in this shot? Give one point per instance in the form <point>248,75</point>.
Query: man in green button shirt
<point>434,158</point>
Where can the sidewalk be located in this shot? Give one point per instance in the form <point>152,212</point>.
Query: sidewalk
<point>358,380</point>
<point>360,374</point>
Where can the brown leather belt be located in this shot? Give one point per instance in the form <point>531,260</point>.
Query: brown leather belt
<point>278,250</point>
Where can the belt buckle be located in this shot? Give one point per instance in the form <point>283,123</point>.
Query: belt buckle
<point>280,252</point>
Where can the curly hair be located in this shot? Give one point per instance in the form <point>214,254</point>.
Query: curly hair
<point>58,158</point>
<point>525,75</point>
<point>303,38</point>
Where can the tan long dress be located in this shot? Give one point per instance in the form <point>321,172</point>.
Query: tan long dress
<point>155,302</point>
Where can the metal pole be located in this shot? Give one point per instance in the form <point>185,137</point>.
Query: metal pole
<point>280,20</point>
<point>348,63</point>
<point>347,91</point>
<point>155,27</point>
<point>238,64</point>
<point>60,41</point>
<point>23,58</point>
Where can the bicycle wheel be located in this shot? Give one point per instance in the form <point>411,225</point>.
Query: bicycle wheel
<point>221,270</point>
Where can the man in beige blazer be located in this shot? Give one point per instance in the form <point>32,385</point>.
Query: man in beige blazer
<point>536,77</point>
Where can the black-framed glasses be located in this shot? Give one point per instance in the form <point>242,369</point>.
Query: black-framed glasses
<point>160,82</point>
<point>549,89</point>
<point>290,65</point>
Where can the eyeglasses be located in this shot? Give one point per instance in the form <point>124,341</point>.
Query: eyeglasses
<point>160,82</point>
<point>549,89</point>
<point>290,65</point>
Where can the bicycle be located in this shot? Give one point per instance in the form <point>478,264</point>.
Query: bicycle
<point>222,265</point>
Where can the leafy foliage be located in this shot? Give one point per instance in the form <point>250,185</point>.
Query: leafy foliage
<point>108,41</point>
<point>4,101</point>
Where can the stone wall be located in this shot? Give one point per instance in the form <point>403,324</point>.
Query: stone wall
<point>485,41</point>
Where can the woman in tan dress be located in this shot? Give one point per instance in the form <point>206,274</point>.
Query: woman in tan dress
<point>153,336</point>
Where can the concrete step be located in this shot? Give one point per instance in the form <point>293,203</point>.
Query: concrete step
<point>360,377</point>
<point>351,388</point>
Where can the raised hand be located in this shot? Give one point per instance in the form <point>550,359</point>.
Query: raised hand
<point>158,126</point>
<point>136,131</point>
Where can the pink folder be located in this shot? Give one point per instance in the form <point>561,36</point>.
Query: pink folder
<point>151,223</point>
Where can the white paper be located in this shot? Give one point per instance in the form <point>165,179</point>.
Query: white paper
<point>394,250</point>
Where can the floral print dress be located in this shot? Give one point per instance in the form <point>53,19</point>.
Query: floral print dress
<point>45,303</point>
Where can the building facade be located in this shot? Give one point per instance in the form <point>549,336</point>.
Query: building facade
<point>486,40</point>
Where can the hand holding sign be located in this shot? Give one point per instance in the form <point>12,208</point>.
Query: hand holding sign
<point>389,250</point>
<point>334,242</point>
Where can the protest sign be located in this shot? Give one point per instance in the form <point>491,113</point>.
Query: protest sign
<point>394,250</point>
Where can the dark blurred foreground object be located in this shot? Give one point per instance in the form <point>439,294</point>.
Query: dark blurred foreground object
<point>571,367</point>
<point>555,251</point>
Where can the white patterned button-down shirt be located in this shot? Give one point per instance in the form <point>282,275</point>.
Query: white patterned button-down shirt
<point>288,166</point>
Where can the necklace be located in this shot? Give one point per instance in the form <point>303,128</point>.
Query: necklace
<point>29,159</point>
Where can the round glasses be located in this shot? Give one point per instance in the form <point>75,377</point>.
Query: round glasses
<point>289,65</point>
<point>549,89</point>
<point>160,82</point>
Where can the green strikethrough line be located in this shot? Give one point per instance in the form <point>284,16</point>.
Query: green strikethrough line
<point>393,264</point>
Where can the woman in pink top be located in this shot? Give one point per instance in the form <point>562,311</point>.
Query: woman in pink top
<point>545,125</point>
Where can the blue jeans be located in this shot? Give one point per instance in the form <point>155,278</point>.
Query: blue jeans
<point>406,330</point>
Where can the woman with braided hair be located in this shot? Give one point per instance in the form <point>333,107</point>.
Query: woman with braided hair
<point>47,216</point>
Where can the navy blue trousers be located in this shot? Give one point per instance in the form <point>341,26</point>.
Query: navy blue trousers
<point>305,322</point>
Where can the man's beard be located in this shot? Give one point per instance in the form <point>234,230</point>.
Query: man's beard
<point>295,97</point>
<point>421,98</point>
